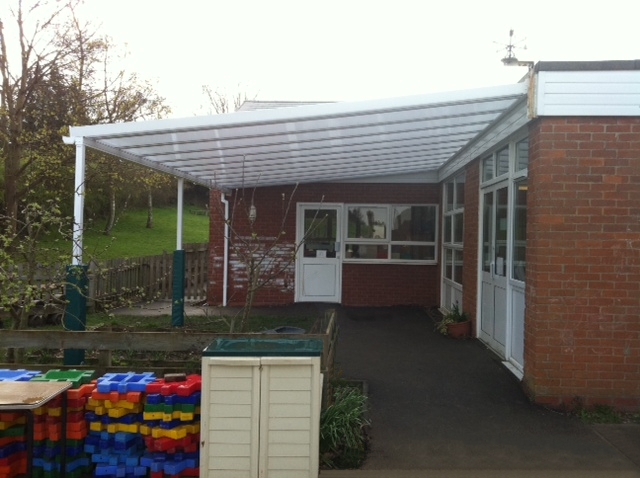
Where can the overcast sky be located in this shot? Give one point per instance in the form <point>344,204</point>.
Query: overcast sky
<point>350,50</point>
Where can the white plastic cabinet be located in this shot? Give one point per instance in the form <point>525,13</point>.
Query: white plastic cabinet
<point>260,417</point>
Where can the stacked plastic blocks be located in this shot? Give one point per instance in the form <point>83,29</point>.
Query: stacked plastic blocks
<point>114,413</point>
<point>13,454</point>
<point>172,426</point>
<point>47,427</point>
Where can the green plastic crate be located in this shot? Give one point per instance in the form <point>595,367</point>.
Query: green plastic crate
<point>78,377</point>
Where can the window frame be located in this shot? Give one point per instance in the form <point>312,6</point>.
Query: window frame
<point>451,212</point>
<point>387,240</point>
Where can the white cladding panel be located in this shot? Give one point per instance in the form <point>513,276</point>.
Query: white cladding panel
<point>588,93</point>
<point>261,417</point>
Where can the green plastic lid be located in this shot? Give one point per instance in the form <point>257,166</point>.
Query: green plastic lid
<point>264,348</point>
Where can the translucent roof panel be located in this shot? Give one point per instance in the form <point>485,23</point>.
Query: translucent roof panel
<point>310,143</point>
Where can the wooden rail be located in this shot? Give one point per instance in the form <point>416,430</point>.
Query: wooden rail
<point>175,340</point>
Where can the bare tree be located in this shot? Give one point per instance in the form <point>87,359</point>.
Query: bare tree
<point>267,253</point>
<point>221,102</point>
<point>36,57</point>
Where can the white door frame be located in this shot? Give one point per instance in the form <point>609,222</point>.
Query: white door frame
<point>320,267</point>
<point>495,330</point>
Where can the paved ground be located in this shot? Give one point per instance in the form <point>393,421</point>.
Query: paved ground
<point>442,404</point>
<point>448,408</point>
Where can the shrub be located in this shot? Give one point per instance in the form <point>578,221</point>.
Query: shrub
<point>343,439</point>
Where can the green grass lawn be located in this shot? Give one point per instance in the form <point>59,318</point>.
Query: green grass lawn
<point>131,238</point>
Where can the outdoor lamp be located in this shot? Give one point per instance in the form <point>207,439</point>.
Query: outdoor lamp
<point>252,214</point>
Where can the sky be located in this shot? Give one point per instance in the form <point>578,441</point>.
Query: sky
<point>352,50</point>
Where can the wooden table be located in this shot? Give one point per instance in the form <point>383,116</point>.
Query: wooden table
<point>26,397</point>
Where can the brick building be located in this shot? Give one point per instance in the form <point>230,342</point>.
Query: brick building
<point>520,203</point>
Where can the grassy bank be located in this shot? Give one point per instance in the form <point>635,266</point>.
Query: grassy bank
<point>131,238</point>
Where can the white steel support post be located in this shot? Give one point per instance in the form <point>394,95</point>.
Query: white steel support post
<point>180,213</point>
<point>78,203</point>
<point>179,262</point>
<point>77,284</point>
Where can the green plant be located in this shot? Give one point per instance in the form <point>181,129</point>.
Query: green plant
<point>343,440</point>
<point>600,414</point>
<point>454,316</point>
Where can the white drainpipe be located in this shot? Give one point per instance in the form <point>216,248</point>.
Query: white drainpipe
<point>225,269</point>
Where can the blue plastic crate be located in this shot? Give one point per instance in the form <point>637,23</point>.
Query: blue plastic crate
<point>125,382</point>
<point>18,375</point>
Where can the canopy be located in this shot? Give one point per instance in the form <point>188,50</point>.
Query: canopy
<point>311,143</point>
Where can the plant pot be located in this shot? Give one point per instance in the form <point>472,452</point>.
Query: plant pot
<point>459,330</point>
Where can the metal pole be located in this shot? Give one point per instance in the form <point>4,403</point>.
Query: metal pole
<point>76,288</point>
<point>180,213</point>
<point>177,303</point>
<point>78,202</point>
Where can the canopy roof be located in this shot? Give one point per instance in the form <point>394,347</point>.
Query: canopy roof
<point>313,143</point>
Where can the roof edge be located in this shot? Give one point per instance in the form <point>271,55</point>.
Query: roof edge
<point>596,65</point>
<point>318,111</point>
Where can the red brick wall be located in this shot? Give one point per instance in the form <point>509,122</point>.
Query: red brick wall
<point>470,252</point>
<point>582,325</point>
<point>216,249</point>
<point>363,284</point>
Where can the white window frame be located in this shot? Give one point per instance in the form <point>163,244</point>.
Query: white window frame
<point>387,239</point>
<point>456,181</point>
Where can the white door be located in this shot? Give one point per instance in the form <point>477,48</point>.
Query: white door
<point>495,232</point>
<point>319,266</point>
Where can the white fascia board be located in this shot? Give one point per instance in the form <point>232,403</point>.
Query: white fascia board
<point>588,93</point>
<point>250,118</point>
<point>503,128</point>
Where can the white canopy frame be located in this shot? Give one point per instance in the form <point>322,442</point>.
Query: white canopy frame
<point>349,141</point>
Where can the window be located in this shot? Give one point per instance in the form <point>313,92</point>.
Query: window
<point>522,155</point>
<point>520,231</point>
<point>453,234</point>
<point>495,165</point>
<point>391,232</point>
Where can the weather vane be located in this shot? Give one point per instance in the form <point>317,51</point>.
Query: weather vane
<point>510,59</point>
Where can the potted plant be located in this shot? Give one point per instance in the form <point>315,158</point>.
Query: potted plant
<point>455,323</point>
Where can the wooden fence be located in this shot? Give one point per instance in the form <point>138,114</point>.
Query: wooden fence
<point>150,277</point>
<point>114,281</point>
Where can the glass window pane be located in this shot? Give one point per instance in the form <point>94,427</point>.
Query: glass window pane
<point>502,158</point>
<point>414,223</point>
<point>522,155</point>
<point>459,199</point>
<point>367,251</point>
<point>487,168</point>
<point>320,232</point>
<point>458,228</point>
<point>457,267</point>
<point>487,221</point>
<point>448,195</point>
<point>412,252</point>
<point>448,261</point>
<point>367,222</point>
<point>501,229</point>
<point>520,231</point>
<point>447,229</point>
